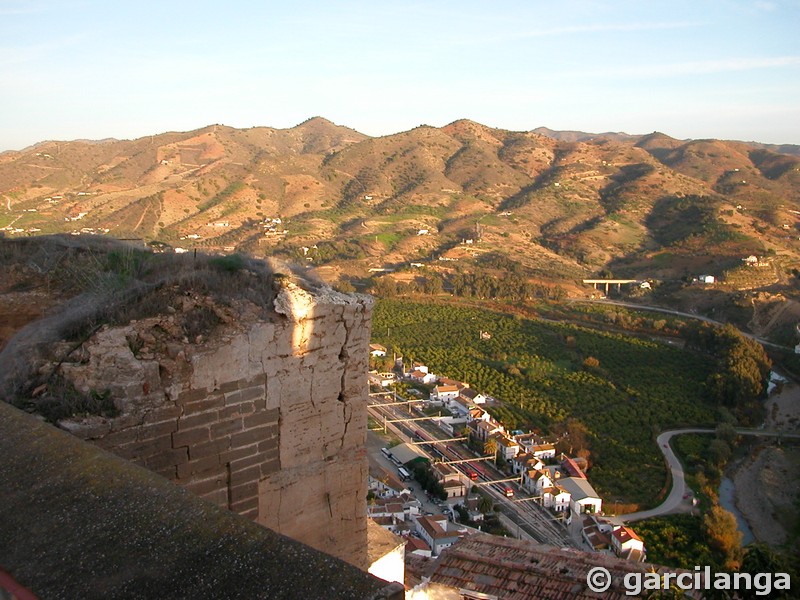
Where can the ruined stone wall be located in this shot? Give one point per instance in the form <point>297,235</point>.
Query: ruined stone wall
<point>266,417</point>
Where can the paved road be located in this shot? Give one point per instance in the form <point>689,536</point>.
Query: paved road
<point>675,499</point>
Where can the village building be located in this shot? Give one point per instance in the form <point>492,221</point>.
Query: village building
<point>543,451</point>
<point>377,350</point>
<point>556,498</point>
<point>486,567</point>
<point>536,480</point>
<point>626,544</point>
<point>420,376</point>
<point>404,453</point>
<point>596,532</point>
<point>385,379</point>
<point>418,546</point>
<point>571,468</point>
<point>484,429</point>
<point>433,530</point>
<point>460,406</point>
<point>455,382</point>
<point>507,448</point>
<point>473,396</point>
<point>525,462</point>
<point>444,393</point>
<point>452,426</point>
<point>584,498</point>
<point>478,414</point>
<point>450,479</point>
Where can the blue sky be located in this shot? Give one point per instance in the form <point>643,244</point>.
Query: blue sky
<point>93,69</point>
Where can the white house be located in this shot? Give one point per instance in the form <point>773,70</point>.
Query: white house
<point>450,480</point>
<point>422,376</point>
<point>536,445</point>
<point>524,462</point>
<point>597,533</point>
<point>460,406</point>
<point>543,451</point>
<point>452,426</point>
<point>627,544</point>
<point>536,481</point>
<point>444,393</point>
<point>584,498</point>
<point>750,261</point>
<point>473,396</point>
<point>388,515</point>
<point>507,447</point>
<point>377,350</point>
<point>478,414</point>
<point>556,498</point>
<point>434,531</point>
<point>382,379</point>
<point>483,429</point>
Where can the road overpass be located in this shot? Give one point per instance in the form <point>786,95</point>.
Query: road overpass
<point>609,282</point>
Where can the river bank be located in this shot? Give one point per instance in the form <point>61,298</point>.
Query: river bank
<point>767,482</point>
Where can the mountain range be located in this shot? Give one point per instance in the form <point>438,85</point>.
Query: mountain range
<point>563,205</point>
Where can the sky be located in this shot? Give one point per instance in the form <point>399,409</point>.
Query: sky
<point>94,69</point>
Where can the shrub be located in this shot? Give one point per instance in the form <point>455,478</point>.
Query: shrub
<point>60,400</point>
<point>230,263</point>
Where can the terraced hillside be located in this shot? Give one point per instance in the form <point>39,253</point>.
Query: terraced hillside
<point>562,206</point>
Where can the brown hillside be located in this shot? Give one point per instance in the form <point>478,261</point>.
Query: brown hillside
<point>565,206</point>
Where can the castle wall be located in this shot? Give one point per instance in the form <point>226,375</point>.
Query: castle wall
<point>266,417</point>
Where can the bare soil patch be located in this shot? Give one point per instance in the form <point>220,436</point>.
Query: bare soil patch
<point>768,482</point>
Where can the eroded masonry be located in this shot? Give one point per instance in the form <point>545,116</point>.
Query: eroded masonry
<point>265,416</point>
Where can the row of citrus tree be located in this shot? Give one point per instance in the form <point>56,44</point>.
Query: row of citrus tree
<point>620,389</point>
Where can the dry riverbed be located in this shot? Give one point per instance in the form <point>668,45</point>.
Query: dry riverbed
<point>768,481</point>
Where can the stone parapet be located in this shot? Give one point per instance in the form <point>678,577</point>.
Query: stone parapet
<point>267,417</point>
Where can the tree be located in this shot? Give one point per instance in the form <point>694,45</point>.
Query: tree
<point>345,286</point>
<point>726,433</point>
<point>718,452</point>
<point>433,285</point>
<point>724,536</point>
<point>575,436</point>
<point>490,447</point>
<point>760,558</point>
<point>463,514</point>
<point>485,504</point>
<point>591,363</point>
<point>385,287</point>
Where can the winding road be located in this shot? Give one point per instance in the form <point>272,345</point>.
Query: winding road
<point>676,495</point>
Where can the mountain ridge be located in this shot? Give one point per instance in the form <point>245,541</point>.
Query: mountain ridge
<point>641,206</point>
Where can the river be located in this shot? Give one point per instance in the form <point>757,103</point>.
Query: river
<point>727,492</point>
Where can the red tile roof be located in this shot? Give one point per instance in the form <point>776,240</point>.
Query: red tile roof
<point>415,543</point>
<point>572,469</point>
<point>433,528</point>
<point>625,534</point>
<point>518,570</point>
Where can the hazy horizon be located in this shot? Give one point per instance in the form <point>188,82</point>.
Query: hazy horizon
<point>83,69</point>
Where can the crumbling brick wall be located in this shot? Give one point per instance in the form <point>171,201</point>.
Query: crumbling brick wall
<point>265,416</point>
